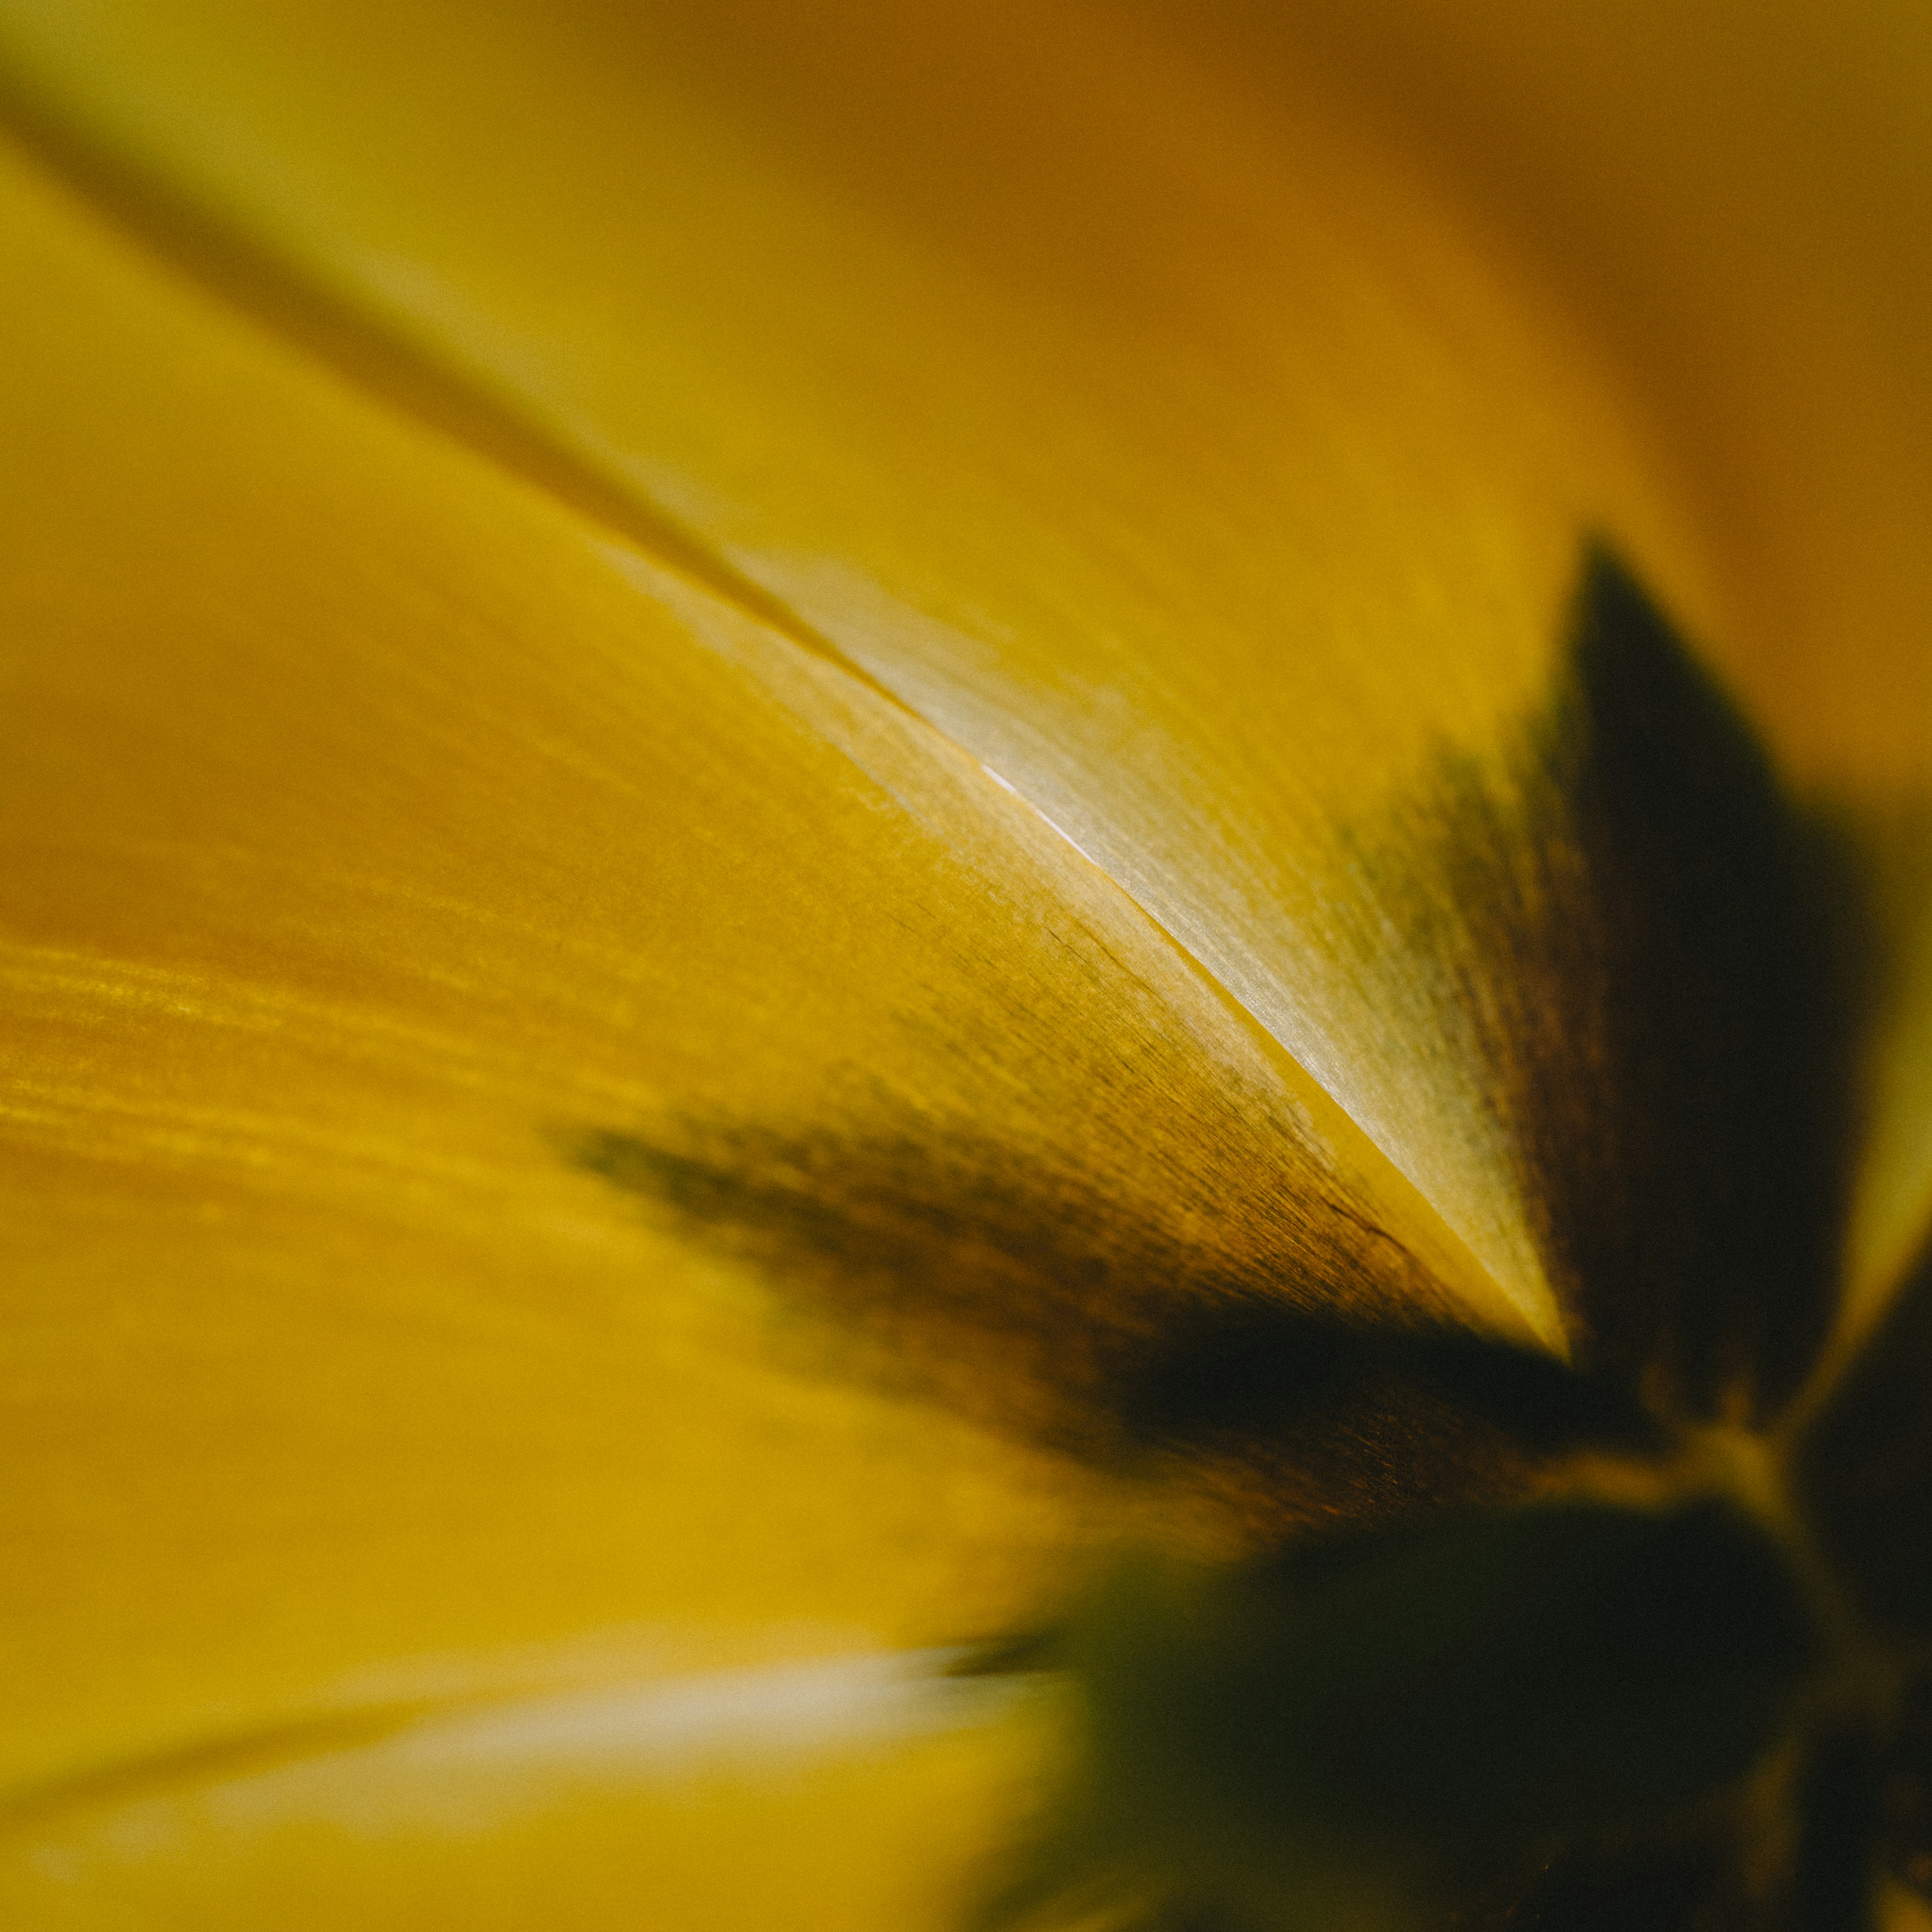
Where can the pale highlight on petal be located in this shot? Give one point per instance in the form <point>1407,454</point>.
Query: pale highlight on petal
<point>777,784</point>
<point>373,831</point>
<point>853,1791</point>
<point>1736,195</point>
<point>1190,465</point>
<point>1891,1223</point>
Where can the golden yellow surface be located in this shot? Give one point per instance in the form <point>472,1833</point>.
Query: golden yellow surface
<point>381,819</point>
<point>773,1797</point>
<point>376,823</point>
<point>1148,469</point>
<point>1734,195</point>
<point>449,493</point>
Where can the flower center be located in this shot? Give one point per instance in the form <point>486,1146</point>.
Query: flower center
<point>1649,1687</point>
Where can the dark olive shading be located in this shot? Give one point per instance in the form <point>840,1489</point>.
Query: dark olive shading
<point>1494,1676</point>
<point>1636,939</point>
<point>1019,1298</point>
<point>1904,1810</point>
<point>1518,1710</point>
<point>1867,1467</point>
<point>1644,941</point>
<point>1537,1715</point>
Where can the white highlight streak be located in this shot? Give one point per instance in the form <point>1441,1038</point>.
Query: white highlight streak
<point>462,1775</point>
<point>779,1710</point>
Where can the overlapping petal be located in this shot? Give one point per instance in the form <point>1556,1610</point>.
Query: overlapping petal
<point>1147,439</point>
<point>342,884</point>
<point>381,833</point>
<point>1220,422</point>
<point>479,745</point>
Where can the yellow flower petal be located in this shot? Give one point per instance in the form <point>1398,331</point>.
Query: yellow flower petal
<point>1195,468</point>
<point>1736,198</point>
<point>376,829</point>
<point>1045,459</point>
<point>843,1793</point>
<point>367,824</point>
<point>1889,1230</point>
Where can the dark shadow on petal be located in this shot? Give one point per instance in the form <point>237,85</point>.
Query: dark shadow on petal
<point>1541,1716</point>
<point>1664,1887</point>
<point>1284,1355</point>
<point>1490,1679</point>
<point>1643,941</point>
<point>1833,1883</point>
<point>1629,934</point>
<point>1904,1807</point>
<point>1714,1874</point>
<point>1866,1466</point>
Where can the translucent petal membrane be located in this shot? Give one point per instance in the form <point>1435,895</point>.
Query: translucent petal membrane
<point>379,837</point>
<point>1200,472</point>
<point>848,1792</point>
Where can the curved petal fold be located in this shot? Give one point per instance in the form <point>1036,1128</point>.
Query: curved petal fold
<point>870,766</point>
<point>1195,467</point>
<point>378,835</point>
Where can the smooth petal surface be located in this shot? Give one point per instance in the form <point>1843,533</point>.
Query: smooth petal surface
<point>366,825</point>
<point>375,829</point>
<point>1194,468</point>
<point>448,793</point>
<point>848,1792</point>
<point>1735,195</point>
